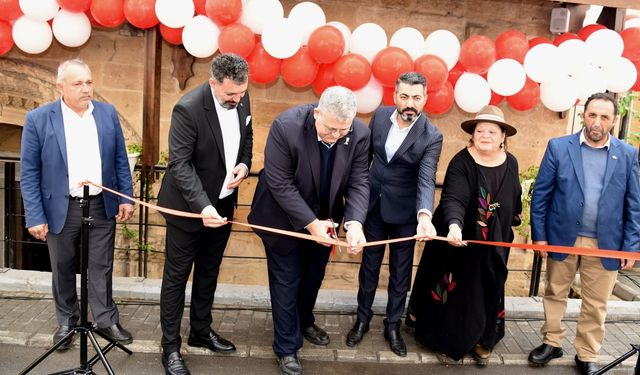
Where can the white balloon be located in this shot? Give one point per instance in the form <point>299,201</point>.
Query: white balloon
<point>559,94</point>
<point>307,16</point>
<point>410,40</point>
<point>256,14</point>
<point>589,79</point>
<point>71,29</point>
<point>175,13</point>
<point>540,62</point>
<point>200,36</point>
<point>281,38</point>
<point>368,39</point>
<point>346,33</point>
<point>39,10</point>
<point>572,55</point>
<point>472,92</point>
<point>604,46</point>
<point>621,75</point>
<point>445,45</point>
<point>634,22</point>
<point>506,77</point>
<point>31,36</point>
<point>369,97</point>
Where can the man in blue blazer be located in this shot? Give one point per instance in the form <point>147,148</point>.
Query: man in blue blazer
<point>405,148</point>
<point>586,195</point>
<point>64,143</point>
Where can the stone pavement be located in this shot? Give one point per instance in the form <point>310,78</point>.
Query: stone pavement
<point>27,318</point>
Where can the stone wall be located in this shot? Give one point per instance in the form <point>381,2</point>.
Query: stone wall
<point>115,57</point>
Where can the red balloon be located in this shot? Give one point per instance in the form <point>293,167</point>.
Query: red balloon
<point>237,38</point>
<point>326,44</point>
<point>631,39</point>
<point>6,39</point>
<point>141,13</point>
<point>434,69</point>
<point>387,95</point>
<point>352,71</point>
<point>564,37</point>
<point>263,68</point>
<point>224,12</point>
<point>300,69</point>
<point>455,73</point>
<point>9,10</point>
<point>538,40</point>
<point>440,101</point>
<point>589,29</point>
<point>75,5</point>
<point>200,6</point>
<point>496,99</point>
<point>512,44</point>
<point>108,13</point>
<point>477,54</point>
<point>171,35</point>
<point>389,64</point>
<point>526,98</point>
<point>636,86</point>
<point>93,21</point>
<point>324,79</point>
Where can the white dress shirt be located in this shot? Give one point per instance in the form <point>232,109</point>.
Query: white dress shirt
<point>229,121</point>
<point>83,150</point>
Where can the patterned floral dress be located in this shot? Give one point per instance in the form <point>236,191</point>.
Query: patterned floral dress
<point>458,294</point>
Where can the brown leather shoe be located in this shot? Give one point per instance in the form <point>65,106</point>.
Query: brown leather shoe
<point>481,354</point>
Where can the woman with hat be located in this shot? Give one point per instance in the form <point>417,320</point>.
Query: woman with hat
<point>457,301</point>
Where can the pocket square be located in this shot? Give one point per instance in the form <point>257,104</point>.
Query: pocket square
<point>248,120</point>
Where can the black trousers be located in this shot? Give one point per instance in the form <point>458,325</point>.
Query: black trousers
<point>400,267</point>
<point>64,253</point>
<point>202,250</point>
<point>294,282</point>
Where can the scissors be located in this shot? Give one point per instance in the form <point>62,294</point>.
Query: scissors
<point>333,233</point>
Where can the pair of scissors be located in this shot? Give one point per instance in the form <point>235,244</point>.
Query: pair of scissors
<point>333,233</point>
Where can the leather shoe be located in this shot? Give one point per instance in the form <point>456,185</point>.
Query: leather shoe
<point>316,335</point>
<point>395,342</point>
<point>543,354</point>
<point>289,365</point>
<point>356,334</point>
<point>174,364</point>
<point>117,333</point>
<point>211,341</point>
<point>586,368</point>
<point>60,334</point>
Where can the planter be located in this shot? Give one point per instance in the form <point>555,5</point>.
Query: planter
<point>133,160</point>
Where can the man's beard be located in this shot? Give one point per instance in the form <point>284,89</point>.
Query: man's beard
<point>229,104</point>
<point>409,114</point>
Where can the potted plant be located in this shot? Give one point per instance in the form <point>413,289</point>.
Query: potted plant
<point>527,180</point>
<point>134,150</point>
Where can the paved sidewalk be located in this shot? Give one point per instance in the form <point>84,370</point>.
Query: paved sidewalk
<point>27,318</point>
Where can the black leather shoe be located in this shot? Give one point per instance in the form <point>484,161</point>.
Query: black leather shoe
<point>289,365</point>
<point>356,334</point>
<point>60,334</point>
<point>174,364</point>
<point>212,341</point>
<point>586,368</point>
<point>316,335</point>
<point>543,354</point>
<point>395,342</point>
<point>117,333</point>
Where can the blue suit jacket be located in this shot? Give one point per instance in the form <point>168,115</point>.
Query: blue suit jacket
<point>44,172</point>
<point>558,198</point>
<point>406,183</point>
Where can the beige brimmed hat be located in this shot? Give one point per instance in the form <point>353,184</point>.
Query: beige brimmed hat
<point>489,113</point>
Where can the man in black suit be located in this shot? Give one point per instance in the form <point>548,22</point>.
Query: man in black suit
<point>405,148</point>
<point>315,174</point>
<point>210,143</point>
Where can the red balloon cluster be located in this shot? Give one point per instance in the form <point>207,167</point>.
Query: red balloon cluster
<point>9,10</point>
<point>141,13</point>
<point>263,68</point>
<point>352,71</point>
<point>526,98</point>
<point>237,38</point>
<point>512,44</point>
<point>171,35</point>
<point>434,69</point>
<point>6,39</point>
<point>223,12</point>
<point>631,39</point>
<point>300,69</point>
<point>477,54</point>
<point>324,79</point>
<point>389,64</point>
<point>326,44</point>
<point>108,13</point>
<point>75,5</point>
<point>440,101</point>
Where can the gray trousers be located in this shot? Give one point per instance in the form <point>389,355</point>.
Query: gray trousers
<point>64,253</point>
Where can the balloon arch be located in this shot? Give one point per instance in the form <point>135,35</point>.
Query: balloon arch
<point>309,51</point>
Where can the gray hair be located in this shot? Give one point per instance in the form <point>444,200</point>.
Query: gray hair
<point>339,101</point>
<point>412,78</point>
<point>231,66</point>
<point>62,68</point>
